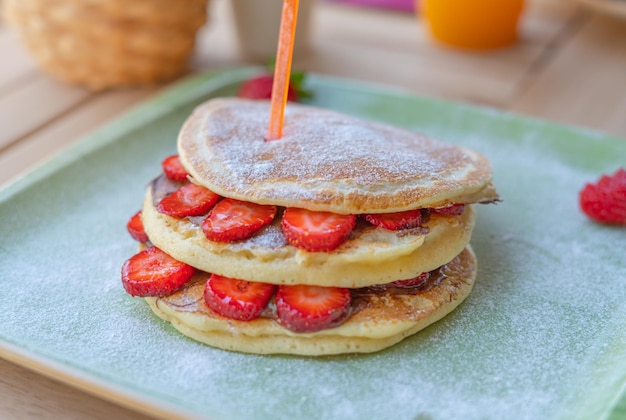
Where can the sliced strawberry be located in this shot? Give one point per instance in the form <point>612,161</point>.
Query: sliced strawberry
<point>233,220</point>
<point>414,282</point>
<point>152,272</point>
<point>395,221</point>
<point>237,299</point>
<point>188,200</point>
<point>304,308</point>
<point>173,169</point>
<point>135,228</point>
<point>453,210</point>
<point>316,231</point>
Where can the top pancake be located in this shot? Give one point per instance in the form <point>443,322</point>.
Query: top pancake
<point>326,161</point>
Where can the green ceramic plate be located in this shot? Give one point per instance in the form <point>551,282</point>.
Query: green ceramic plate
<point>541,337</point>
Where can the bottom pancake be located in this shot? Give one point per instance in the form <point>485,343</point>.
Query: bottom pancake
<point>381,317</point>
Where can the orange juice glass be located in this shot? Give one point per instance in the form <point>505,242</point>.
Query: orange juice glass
<point>473,24</point>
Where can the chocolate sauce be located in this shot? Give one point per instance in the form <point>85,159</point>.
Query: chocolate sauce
<point>162,186</point>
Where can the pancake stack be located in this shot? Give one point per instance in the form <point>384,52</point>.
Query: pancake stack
<point>361,236</point>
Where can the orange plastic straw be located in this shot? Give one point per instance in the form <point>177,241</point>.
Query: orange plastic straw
<point>282,71</point>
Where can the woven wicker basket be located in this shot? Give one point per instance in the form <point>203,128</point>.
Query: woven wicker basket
<point>108,43</point>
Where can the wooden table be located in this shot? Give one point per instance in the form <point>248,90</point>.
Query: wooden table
<point>568,67</point>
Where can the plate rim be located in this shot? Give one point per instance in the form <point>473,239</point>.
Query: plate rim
<point>173,97</point>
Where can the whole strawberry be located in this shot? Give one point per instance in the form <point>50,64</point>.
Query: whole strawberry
<point>260,87</point>
<point>605,201</point>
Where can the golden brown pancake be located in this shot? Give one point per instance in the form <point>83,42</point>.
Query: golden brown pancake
<point>379,320</point>
<point>326,161</point>
<point>371,255</point>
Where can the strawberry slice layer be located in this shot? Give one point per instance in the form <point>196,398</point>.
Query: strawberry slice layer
<point>453,210</point>
<point>316,231</point>
<point>188,200</point>
<point>395,221</point>
<point>152,272</point>
<point>303,308</point>
<point>233,220</point>
<point>414,282</point>
<point>135,228</point>
<point>237,299</point>
<point>174,169</point>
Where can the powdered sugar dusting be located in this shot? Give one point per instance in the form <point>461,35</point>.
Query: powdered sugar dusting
<point>323,157</point>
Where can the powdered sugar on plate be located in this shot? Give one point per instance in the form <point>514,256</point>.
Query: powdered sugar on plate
<point>541,335</point>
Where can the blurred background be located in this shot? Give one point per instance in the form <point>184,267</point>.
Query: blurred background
<point>553,45</point>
